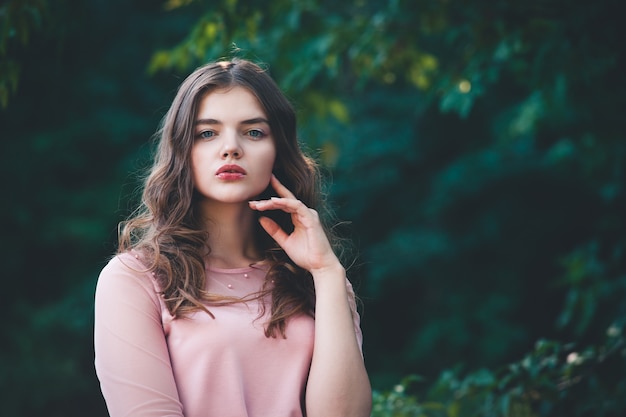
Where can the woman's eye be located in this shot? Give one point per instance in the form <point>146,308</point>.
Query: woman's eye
<point>206,134</point>
<point>255,133</point>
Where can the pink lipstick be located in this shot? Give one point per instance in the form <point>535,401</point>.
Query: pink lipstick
<point>230,172</point>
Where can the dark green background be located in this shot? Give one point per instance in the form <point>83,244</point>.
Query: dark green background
<point>476,148</point>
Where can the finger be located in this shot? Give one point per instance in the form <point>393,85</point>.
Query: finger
<point>287,205</point>
<point>280,189</point>
<point>273,229</point>
<point>272,204</point>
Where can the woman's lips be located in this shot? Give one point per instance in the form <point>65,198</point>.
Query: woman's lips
<point>230,172</point>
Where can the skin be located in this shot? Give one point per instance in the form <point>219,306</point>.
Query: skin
<point>338,384</point>
<point>230,130</point>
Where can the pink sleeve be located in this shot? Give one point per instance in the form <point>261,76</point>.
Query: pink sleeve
<point>132,360</point>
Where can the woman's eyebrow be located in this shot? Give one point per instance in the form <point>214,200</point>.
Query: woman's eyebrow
<point>252,121</point>
<point>207,122</point>
<point>255,120</point>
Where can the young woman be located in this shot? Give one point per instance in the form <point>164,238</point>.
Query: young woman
<point>226,297</point>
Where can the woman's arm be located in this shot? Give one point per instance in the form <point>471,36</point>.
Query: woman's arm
<point>132,360</point>
<point>338,384</point>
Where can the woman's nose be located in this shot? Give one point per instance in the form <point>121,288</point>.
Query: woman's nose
<point>231,147</point>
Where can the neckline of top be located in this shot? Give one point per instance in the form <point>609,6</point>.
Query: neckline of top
<point>250,268</point>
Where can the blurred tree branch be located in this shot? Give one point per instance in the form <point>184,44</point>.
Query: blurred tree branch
<point>19,19</point>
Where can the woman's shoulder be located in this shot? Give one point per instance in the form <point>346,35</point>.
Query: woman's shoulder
<point>126,298</point>
<point>129,262</point>
<point>127,271</point>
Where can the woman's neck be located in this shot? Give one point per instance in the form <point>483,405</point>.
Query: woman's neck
<point>230,230</point>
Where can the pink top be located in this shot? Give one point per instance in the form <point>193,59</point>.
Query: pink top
<point>152,365</point>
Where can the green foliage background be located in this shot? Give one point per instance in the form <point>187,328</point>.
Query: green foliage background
<point>477,147</point>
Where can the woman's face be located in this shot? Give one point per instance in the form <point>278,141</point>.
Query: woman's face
<point>234,151</point>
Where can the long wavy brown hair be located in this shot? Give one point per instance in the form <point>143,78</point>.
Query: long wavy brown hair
<point>166,229</point>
